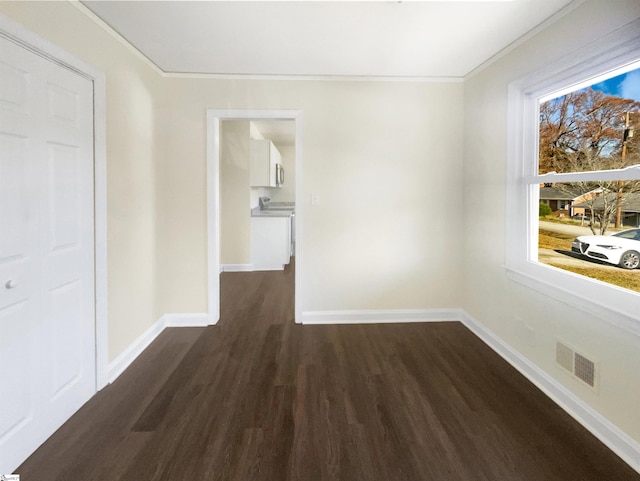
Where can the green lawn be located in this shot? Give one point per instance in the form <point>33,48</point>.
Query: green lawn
<point>553,240</point>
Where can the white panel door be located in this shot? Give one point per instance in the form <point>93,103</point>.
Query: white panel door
<point>47,299</point>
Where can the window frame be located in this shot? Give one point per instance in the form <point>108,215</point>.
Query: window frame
<point>610,303</point>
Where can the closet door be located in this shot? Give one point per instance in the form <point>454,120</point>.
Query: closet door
<point>47,299</point>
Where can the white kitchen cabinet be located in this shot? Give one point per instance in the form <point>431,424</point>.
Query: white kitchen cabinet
<point>270,242</point>
<point>264,161</point>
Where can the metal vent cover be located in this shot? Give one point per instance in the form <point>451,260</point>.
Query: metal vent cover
<point>584,369</point>
<point>576,364</point>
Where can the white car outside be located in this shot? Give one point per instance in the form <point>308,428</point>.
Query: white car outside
<point>621,248</point>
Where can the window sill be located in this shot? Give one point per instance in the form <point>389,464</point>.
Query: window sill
<point>590,296</point>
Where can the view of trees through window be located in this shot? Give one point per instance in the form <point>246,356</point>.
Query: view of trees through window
<point>588,211</point>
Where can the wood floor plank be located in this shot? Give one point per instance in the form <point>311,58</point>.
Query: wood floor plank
<point>257,397</point>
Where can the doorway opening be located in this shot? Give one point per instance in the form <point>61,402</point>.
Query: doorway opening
<point>229,205</point>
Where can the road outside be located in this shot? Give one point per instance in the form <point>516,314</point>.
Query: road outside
<point>569,229</point>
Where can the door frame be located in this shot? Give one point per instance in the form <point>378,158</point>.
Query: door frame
<point>214,117</point>
<point>32,42</point>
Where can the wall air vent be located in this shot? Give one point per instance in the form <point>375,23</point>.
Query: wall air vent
<point>576,364</point>
<point>584,369</point>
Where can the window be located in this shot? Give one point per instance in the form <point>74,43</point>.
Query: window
<point>587,133</point>
<point>560,142</point>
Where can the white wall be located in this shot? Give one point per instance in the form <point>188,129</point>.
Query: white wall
<point>385,163</point>
<point>507,308</point>
<point>235,209</point>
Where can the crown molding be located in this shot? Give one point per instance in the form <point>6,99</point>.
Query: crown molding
<point>109,29</point>
<point>524,38</point>
<point>326,78</point>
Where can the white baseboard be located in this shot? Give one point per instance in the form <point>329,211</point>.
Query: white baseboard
<point>380,316</point>
<point>185,320</point>
<point>236,267</point>
<point>122,362</point>
<point>613,437</point>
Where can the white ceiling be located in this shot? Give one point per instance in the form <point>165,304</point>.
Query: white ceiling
<point>411,39</point>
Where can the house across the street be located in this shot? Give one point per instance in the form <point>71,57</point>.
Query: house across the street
<point>566,201</point>
<point>630,208</point>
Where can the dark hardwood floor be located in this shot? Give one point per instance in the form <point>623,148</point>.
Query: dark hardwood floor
<point>257,397</point>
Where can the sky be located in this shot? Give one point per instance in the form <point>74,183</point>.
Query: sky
<point>626,85</point>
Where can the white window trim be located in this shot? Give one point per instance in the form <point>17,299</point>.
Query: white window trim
<point>613,304</point>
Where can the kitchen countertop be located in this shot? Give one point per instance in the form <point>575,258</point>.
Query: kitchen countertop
<point>257,212</point>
